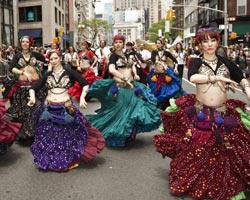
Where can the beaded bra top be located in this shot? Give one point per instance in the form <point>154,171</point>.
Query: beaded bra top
<point>221,70</point>
<point>22,62</point>
<point>63,82</point>
<point>123,62</point>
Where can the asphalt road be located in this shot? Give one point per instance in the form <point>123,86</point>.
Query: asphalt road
<point>136,172</point>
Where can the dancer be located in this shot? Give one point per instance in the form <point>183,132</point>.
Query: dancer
<point>140,65</point>
<point>86,51</point>
<point>88,73</point>
<point>160,54</point>
<point>207,135</point>
<point>26,70</point>
<point>127,106</point>
<point>63,135</point>
<point>164,84</point>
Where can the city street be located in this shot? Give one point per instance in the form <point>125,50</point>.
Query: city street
<point>136,172</point>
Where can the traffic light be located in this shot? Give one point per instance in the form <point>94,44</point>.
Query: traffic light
<point>61,31</point>
<point>233,36</point>
<point>170,14</point>
<point>173,14</point>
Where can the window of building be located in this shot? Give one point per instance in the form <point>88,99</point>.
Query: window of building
<point>60,18</point>
<point>241,7</point>
<point>63,2</point>
<point>56,20</point>
<point>6,2</point>
<point>30,14</point>
<point>63,21</point>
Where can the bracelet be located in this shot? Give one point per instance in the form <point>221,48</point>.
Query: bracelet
<point>245,86</point>
<point>209,80</point>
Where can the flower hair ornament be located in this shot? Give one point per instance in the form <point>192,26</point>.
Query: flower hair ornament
<point>201,31</point>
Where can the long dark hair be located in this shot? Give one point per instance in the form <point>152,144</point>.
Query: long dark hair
<point>179,50</point>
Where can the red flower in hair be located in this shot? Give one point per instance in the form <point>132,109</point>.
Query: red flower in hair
<point>31,40</point>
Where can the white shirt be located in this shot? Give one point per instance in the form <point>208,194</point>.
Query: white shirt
<point>145,54</point>
<point>105,52</point>
<point>180,57</point>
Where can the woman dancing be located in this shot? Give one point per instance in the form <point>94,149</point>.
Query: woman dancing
<point>88,73</point>
<point>63,135</point>
<point>127,106</point>
<point>26,70</point>
<point>164,84</point>
<point>207,135</point>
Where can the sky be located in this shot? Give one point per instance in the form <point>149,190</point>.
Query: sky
<point>100,5</point>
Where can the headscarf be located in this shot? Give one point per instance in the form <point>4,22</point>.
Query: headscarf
<point>119,37</point>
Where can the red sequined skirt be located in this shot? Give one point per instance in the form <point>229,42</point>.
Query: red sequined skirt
<point>210,149</point>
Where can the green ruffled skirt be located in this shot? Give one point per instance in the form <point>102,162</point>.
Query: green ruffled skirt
<point>123,113</point>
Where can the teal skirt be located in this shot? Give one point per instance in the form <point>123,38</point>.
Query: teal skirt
<point>124,112</point>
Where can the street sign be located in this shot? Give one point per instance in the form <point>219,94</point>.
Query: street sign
<point>159,32</point>
<point>64,37</point>
<point>167,26</point>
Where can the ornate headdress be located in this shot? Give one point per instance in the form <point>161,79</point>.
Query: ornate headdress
<point>208,30</point>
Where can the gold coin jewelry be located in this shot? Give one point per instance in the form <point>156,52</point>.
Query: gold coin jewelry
<point>211,62</point>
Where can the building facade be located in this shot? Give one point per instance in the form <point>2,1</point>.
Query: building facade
<point>152,8</point>
<point>6,22</point>
<point>202,13</point>
<point>44,21</point>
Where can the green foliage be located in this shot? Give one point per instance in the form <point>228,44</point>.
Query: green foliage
<point>152,33</point>
<point>93,27</point>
